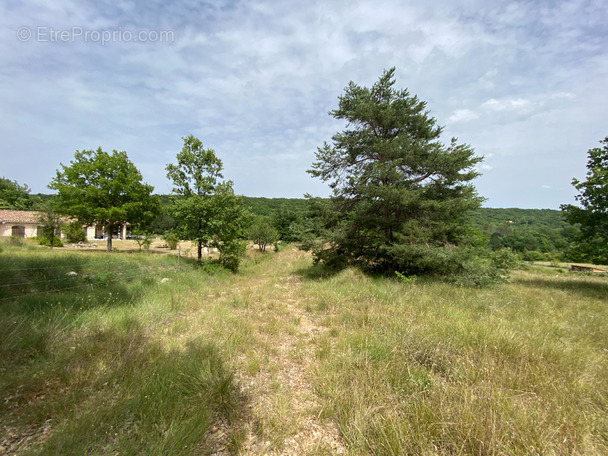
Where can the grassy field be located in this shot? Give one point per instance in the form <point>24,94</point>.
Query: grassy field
<point>120,354</point>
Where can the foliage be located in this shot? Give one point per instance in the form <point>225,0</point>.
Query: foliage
<point>105,189</point>
<point>592,215</point>
<point>269,207</point>
<point>74,232</point>
<point>162,223</point>
<point>283,221</point>
<point>537,234</point>
<point>17,197</point>
<point>208,212</point>
<point>231,253</point>
<point>172,239</point>
<point>262,233</point>
<point>283,212</point>
<point>142,237</point>
<point>399,194</point>
<point>51,224</point>
<point>49,242</point>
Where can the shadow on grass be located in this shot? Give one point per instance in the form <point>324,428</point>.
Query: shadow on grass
<point>586,287</point>
<point>31,278</point>
<point>317,272</point>
<point>116,392</point>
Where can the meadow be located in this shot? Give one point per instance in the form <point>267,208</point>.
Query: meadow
<point>121,354</point>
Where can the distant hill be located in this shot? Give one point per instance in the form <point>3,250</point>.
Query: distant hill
<point>536,233</point>
<point>485,216</point>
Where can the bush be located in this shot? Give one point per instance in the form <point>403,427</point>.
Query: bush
<point>17,241</point>
<point>74,233</point>
<point>466,266</point>
<point>262,233</point>
<point>143,238</point>
<point>47,241</point>
<point>172,239</point>
<point>231,253</point>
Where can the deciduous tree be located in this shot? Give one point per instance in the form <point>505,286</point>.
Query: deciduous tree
<point>52,222</point>
<point>104,189</point>
<point>592,214</point>
<point>262,233</point>
<point>15,196</point>
<point>206,210</point>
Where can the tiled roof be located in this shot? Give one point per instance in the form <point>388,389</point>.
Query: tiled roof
<point>7,215</point>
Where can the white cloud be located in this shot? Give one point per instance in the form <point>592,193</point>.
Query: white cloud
<point>521,82</point>
<point>508,104</point>
<point>463,115</point>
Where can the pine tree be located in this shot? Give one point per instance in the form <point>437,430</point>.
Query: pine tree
<point>399,194</point>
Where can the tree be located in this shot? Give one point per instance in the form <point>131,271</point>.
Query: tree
<point>283,220</point>
<point>206,210</point>
<point>52,222</point>
<point>74,232</point>
<point>592,214</point>
<point>399,194</point>
<point>15,196</point>
<point>262,233</point>
<point>142,237</point>
<point>104,189</point>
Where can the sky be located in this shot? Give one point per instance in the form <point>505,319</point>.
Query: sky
<point>525,83</point>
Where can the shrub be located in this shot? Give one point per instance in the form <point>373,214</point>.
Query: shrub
<point>47,241</point>
<point>74,233</point>
<point>172,239</point>
<point>231,253</point>
<point>17,241</point>
<point>143,238</point>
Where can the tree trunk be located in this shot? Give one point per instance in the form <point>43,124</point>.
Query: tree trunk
<point>200,253</point>
<point>109,230</point>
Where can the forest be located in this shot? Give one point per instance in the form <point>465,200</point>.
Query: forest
<point>535,234</point>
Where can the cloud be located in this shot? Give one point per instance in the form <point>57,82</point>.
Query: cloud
<point>463,115</point>
<point>522,82</point>
<point>513,104</point>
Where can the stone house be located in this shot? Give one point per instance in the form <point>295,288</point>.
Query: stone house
<point>25,224</point>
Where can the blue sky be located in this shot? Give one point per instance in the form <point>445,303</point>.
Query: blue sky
<point>524,83</point>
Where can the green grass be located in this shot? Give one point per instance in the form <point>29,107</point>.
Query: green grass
<point>88,368</point>
<point>436,369</point>
<point>113,360</point>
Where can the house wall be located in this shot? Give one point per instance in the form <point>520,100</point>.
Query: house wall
<point>90,232</point>
<point>97,232</point>
<point>6,228</point>
<point>31,230</point>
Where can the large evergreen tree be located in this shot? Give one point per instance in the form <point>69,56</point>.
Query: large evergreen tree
<point>592,214</point>
<point>399,194</point>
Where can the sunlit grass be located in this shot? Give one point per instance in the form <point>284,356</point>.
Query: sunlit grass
<point>106,364</point>
<point>151,362</point>
<point>435,369</point>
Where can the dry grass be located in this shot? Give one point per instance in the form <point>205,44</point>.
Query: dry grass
<point>287,358</point>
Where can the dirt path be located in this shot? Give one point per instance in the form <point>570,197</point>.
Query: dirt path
<point>283,412</point>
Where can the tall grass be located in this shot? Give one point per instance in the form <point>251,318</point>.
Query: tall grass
<point>436,369</point>
<point>116,360</point>
<point>85,365</point>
